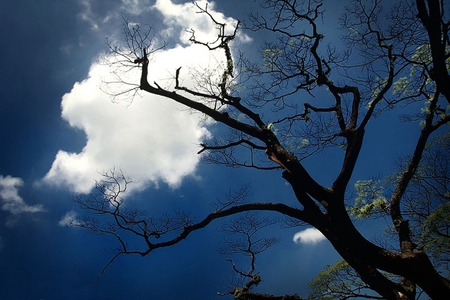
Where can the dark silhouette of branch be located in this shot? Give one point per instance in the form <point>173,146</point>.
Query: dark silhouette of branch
<point>389,64</point>
<point>250,245</point>
<point>233,144</point>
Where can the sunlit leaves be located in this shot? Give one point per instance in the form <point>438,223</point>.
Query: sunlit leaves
<point>272,128</point>
<point>337,281</point>
<point>422,54</point>
<point>369,201</point>
<point>295,144</point>
<point>436,235</point>
<point>418,79</point>
<point>270,57</point>
<point>376,90</point>
<point>401,86</point>
<point>427,202</point>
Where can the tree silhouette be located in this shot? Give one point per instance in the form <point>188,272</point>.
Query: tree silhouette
<point>396,59</point>
<point>426,207</point>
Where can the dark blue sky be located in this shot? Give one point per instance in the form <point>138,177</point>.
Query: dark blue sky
<point>54,147</point>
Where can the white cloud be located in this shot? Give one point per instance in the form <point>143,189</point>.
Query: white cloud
<point>176,17</point>
<point>112,11</point>
<point>179,17</point>
<point>151,140</point>
<point>309,236</point>
<point>136,7</point>
<point>11,201</point>
<point>87,15</point>
<point>70,218</point>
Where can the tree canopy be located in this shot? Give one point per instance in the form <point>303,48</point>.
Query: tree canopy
<point>303,97</point>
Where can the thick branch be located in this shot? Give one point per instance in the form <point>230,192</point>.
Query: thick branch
<point>432,20</point>
<point>401,225</point>
<point>278,207</point>
<point>234,103</point>
<point>233,144</point>
<point>216,115</point>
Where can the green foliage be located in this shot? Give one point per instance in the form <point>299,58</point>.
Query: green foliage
<point>422,55</point>
<point>376,90</point>
<point>324,281</point>
<point>369,200</point>
<point>402,86</point>
<point>335,282</point>
<point>436,234</point>
<point>406,86</point>
<point>428,202</point>
<point>292,43</point>
<point>272,128</point>
<point>295,144</point>
<point>270,57</point>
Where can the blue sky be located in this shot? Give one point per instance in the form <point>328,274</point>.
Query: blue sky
<point>59,129</point>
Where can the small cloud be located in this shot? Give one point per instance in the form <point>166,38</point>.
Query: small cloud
<point>310,236</point>
<point>69,219</point>
<point>10,199</point>
<point>87,15</point>
<point>66,48</point>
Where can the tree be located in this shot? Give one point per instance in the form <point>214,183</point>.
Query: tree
<point>339,281</point>
<point>425,205</point>
<point>404,61</point>
<point>427,202</point>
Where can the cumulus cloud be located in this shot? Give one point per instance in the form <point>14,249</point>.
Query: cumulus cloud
<point>309,236</point>
<point>150,140</point>
<point>70,218</point>
<point>186,16</point>
<point>153,139</point>
<point>11,201</point>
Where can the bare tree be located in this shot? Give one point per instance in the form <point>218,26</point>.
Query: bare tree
<point>248,243</point>
<point>407,55</point>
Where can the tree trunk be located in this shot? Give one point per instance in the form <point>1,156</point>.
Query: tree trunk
<point>367,258</point>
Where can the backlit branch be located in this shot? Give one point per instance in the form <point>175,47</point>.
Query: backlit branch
<point>429,127</point>
<point>233,144</point>
<point>354,90</point>
<point>226,152</point>
<point>170,228</point>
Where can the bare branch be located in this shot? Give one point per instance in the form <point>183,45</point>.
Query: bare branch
<point>399,56</point>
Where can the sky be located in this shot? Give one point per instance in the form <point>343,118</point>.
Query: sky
<point>59,129</point>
